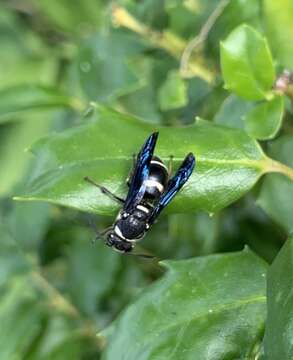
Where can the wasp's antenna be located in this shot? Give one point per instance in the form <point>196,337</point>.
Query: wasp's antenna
<point>146,256</point>
<point>142,255</point>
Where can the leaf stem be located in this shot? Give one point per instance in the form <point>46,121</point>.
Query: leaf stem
<point>76,104</point>
<point>166,40</point>
<point>57,300</point>
<point>274,166</point>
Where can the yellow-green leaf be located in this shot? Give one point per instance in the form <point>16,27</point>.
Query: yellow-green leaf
<point>247,64</point>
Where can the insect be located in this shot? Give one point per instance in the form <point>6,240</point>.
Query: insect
<point>150,190</point>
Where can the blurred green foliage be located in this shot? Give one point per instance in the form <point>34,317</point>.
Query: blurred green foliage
<point>75,77</point>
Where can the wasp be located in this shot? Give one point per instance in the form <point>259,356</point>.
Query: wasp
<point>151,188</point>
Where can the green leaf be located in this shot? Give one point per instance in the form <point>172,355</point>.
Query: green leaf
<point>12,262</point>
<point>57,341</point>
<point>235,13</point>
<point>151,12</point>
<point>24,56</point>
<point>35,321</point>
<point>261,121</point>
<point>143,101</point>
<point>14,140</point>
<point>279,325</point>
<point>278,18</point>
<point>181,19</point>
<point>228,163</point>
<point>81,18</point>
<point>276,193</point>
<point>26,232</point>
<point>99,268</point>
<point>21,98</point>
<point>173,92</point>
<point>232,112</point>
<point>104,66</point>
<point>19,305</point>
<point>264,120</point>
<point>247,64</point>
<point>209,307</point>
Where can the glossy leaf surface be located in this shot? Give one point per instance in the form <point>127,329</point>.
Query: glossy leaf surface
<point>247,64</point>
<point>209,307</point>
<point>265,119</point>
<point>279,328</point>
<point>228,162</point>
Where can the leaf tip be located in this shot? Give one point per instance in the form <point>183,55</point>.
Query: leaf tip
<point>246,249</point>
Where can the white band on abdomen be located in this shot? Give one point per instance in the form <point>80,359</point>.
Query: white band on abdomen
<point>159,163</point>
<point>143,208</point>
<point>155,184</point>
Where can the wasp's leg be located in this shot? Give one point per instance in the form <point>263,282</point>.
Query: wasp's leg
<point>170,165</point>
<point>101,234</point>
<point>105,191</point>
<point>132,170</point>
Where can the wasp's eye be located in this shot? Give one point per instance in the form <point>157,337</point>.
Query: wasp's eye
<point>110,240</point>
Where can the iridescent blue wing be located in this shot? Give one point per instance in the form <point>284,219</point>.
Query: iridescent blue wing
<point>174,185</point>
<point>140,173</point>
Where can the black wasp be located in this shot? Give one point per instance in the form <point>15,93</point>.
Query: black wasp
<point>150,190</point>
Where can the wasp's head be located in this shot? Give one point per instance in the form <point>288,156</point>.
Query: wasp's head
<point>114,241</point>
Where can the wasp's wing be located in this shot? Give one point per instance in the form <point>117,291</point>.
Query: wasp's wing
<point>140,173</point>
<point>174,185</point>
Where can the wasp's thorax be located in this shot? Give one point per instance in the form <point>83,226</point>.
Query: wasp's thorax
<point>132,227</point>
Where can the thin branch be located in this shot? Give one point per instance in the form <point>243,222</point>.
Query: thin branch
<point>56,299</point>
<point>200,38</point>
<point>166,40</point>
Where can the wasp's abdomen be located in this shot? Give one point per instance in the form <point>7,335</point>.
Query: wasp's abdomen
<point>157,180</point>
